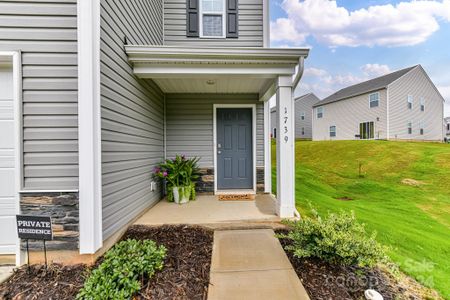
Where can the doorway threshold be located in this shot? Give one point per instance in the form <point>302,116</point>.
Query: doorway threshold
<point>235,192</point>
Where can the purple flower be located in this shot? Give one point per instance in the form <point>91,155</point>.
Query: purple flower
<point>156,170</point>
<point>183,157</point>
<point>165,174</point>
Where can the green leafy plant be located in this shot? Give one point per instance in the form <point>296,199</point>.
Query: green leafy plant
<point>179,172</point>
<point>124,267</point>
<point>337,239</point>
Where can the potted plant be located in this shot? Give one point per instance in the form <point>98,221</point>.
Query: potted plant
<point>179,175</point>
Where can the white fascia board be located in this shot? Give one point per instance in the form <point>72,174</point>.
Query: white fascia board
<point>138,52</point>
<point>89,126</point>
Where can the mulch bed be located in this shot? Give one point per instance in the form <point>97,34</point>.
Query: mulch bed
<point>326,281</point>
<point>54,282</point>
<point>185,274</point>
<point>186,268</point>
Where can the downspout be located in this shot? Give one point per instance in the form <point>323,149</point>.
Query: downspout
<point>164,127</point>
<point>298,76</point>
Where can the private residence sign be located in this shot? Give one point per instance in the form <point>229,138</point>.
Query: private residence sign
<point>34,227</point>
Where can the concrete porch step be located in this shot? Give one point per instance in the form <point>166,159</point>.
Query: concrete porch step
<point>251,264</point>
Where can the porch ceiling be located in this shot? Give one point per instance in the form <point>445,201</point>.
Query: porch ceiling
<point>213,70</point>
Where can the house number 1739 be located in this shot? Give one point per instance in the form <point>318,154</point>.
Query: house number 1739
<point>286,118</point>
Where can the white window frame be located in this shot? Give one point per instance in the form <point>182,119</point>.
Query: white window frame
<point>322,112</point>
<point>335,131</point>
<point>223,13</point>
<point>302,115</point>
<point>422,103</point>
<point>410,126</point>
<point>421,128</point>
<point>378,100</point>
<point>410,99</point>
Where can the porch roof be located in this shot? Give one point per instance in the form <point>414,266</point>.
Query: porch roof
<point>212,69</point>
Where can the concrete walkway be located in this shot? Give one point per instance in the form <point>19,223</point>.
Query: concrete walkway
<point>5,272</point>
<point>251,264</point>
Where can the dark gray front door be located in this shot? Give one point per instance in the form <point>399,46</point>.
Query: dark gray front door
<point>234,148</point>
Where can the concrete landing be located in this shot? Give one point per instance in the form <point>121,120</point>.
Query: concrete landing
<point>250,264</point>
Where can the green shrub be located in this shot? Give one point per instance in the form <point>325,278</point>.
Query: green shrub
<point>119,275</point>
<point>337,239</point>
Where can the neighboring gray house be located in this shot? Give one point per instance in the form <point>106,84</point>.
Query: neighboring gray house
<point>303,117</point>
<point>403,105</point>
<point>95,93</point>
<point>447,127</point>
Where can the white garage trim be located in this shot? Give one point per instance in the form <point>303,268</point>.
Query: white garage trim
<point>14,57</point>
<point>253,107</point>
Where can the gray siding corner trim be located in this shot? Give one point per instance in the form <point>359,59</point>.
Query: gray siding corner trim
<point>46,34</point>
<point>131,113</point>
<point>190,124</point>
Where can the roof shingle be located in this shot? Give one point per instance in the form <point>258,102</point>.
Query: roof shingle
<point>365,87</point>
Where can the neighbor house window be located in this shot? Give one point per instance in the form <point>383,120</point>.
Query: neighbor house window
<point>421,128</point>
<point>212,18</point>
<point>332,131</point>
<point>303,130</point>
<point>448,126</point>
<point>409,127</point>
<point>410,102</point>
<point>374,99</point>
<point>274,133</point>
<point>319,111</point>
<point>302,116</point>
<point>422,104</point>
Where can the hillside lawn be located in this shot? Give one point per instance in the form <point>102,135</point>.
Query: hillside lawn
<point>403,194</point>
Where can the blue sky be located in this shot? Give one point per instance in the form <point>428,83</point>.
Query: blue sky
<point>352,41</point>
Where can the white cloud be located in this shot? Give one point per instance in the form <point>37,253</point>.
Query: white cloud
<point>405,24</point>
<point>323,83</point>
<point>375,69</point>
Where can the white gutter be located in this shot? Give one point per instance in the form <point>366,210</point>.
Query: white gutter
<point>299,74</point>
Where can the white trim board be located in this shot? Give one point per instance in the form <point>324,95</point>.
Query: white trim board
<point>253,107</point>
<point>15,59</point>
<point>89,125</point>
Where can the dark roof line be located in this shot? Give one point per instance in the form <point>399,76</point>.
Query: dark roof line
<point>365,87</point>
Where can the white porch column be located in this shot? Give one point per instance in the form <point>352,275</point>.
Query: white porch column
<point>285,148</point>
<point>267,150</point>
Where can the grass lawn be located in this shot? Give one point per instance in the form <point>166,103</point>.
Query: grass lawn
<point>410,216</point>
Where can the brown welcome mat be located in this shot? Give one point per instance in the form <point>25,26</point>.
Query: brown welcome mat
<point>237,197</point>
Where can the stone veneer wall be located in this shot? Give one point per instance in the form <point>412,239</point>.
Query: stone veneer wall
<point>63,208</point>
<point>206,182</point>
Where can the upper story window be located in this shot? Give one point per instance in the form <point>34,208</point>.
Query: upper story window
<point>374,100</point>
<point>319,112</point>
<point>448,126</point>
<point>333,131</point>
<point>212,18</point>
<point>302,116</point>
<point>422,104</point>
<point>410,101</point>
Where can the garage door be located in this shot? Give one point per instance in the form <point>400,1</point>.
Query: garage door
<point>7,173</point>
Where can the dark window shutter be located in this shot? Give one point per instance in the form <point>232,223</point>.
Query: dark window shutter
<point>232,19</point>
<point>192,18</point>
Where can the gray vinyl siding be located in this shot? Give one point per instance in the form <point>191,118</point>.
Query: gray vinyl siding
<point>189,121</point>
<point>347,114</point>
<point>303,104</point>
<point>46,34</point>
<point>131,113</point>
<point>250,26</point>
<point>417,84</point>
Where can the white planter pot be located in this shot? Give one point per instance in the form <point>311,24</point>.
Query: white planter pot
<point>181,194</point>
